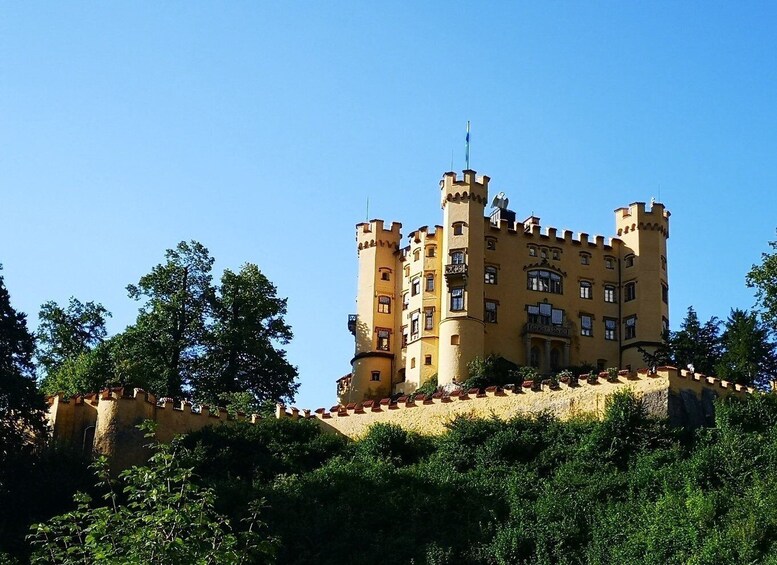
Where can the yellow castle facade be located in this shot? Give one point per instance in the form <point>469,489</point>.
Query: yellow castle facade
<point>489,284</point>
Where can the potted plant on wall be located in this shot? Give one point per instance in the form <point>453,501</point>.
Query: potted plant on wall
<point>612,375</point>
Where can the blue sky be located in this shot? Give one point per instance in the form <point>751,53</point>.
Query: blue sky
<point>261,129</point>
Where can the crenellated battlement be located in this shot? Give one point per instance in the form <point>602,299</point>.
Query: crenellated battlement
<point>638,217</point>
<point>552,234</point>
<point>471,188</point>
<point>425,233</point>
<point>373,233</point>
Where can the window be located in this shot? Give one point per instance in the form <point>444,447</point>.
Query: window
<point>664,324</point>
<point>665,293</point>
<point>609,293</point>
<point>375,376</point>
<point>457,299</point>
<point>631,327</point>
<point>384,343</point>
<point>585,290</point>
<point>543,253</point>
<point>415,286</point>
<point>455,339</point>
<point>404,336</point>
<point>609,263</point>
<point>491,244</point>
<point>532,251</point>
<point>610,329</point>
<point>416,255</point>
<point>458,228</point>
<point>586,325</point>
<point>405,301</point>
<point>407,271</point>
<point>663,263</point>
<point>490,275</point>
<point>457,257</point>
<point>631,291</point>
<point>384,305</point>
<point>429,283</point>
<point>385,274</point>
<point>544,314</point>
<point>412,363</point>
<point>544,281</point>
<point>414,323</point>
<point>556,254</point>
<point>629,260</point>
<point>585,259</point>
<point>431,251</point>
<point>427,360</point>
<point>429,318</point>
<point>491,311</point>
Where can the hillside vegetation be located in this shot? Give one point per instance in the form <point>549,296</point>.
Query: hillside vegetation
<point>626,489</point>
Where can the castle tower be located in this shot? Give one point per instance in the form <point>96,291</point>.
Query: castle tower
<point>644,281</point>
<point>378,340</point>
<point>461,330</point>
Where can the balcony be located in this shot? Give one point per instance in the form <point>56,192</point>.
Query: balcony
<point>352,323</point>
<point>546,329</point>
<point>456,271</point>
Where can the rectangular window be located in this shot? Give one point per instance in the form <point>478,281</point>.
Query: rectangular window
<point>630,327</point>
<point>457,299</point>
<point>384,343</point>
<point>665,293</point>
<point>427,360</point>
<point>491,307</point>
<point>405,301</point>
<point>490,275</point>
<point>610,329</point>
<point>385,275</point>
<point>629,261</point>
<point>609,263</point>
<point>404,336</point>
<point>585,259</point>
<point>431,251</point>
<point>414,325</point>
<point>556,255</point>
<point>631,291</point>
<point>585,290</point>
<point>586,325</point>
<point>416,255</point>
<point>458,228</point>
<point>429,283</point>
<point>375,376</point>
<point>491,244</point>
<point>532,251</point>
<point>457,257</point>
<point>384,305</point>
<point>415,286</point>
<point>609,293</point>
<point>429,319</point>
<point>544,281</point>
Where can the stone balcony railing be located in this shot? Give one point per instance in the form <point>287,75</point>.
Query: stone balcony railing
<point>455,270</point>
<point>546,329</point>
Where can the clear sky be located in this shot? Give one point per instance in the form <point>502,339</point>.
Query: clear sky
<point>260,129</point>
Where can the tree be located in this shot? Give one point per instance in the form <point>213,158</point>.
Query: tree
<point>21,405</point>
<point>172,320</point>
<point>749,357</point>
<point>241,353</point>
<point>697,344</point>
<point>69,347</point>
<point>763,278</point>
<point>167,519</point>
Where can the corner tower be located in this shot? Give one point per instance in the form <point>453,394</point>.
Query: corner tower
<point>644,280</point>
<point>461,331</point>
<point>375,323</point>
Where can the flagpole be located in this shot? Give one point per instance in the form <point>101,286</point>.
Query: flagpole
<point>466,153</point>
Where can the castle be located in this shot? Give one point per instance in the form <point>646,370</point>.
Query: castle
<point>479,285</point>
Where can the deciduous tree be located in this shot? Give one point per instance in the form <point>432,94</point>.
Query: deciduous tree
<point>748,355</point>
<point>763,278</point>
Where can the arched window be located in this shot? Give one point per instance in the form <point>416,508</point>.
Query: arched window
<point>544,281</point>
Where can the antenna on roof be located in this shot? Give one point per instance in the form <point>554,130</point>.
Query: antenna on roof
<point>466,147</point>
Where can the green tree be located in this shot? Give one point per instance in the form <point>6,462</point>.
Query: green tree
<point>167,519</point>
<point>749,357</point>
<point>22,423</point>
<point>697,344</point>
<point>763,278</point>
<point>69,348</point>
<point>241,353</point>
<point>171,325</point>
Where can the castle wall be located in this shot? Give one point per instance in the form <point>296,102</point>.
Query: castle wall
<point>686,399</point>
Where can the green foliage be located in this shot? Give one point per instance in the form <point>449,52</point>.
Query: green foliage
<point>164,517</point>
<point>763,278</point>
<point>428,388</point>
<point>749,357</point>
<point>491,371</point>
<point>65,334</point>
<point>697,344</point>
